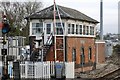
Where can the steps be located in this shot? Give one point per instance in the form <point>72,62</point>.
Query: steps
<point>46,49</point>
<point>47,46</point>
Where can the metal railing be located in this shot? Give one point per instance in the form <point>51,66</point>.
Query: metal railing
<point>50,39</point>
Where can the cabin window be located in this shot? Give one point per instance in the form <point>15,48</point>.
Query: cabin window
<point>74,54</point>
<point>91,30</point>
<point>82,56</point>
<point>59,29</point>
<point>76,29</point>
<point>73,27</point>
<point>84,29</point>
<point>69,26</point>
<point>90,53</point>
<point>80,29</point>
<point>37,28</point>
<point>48,28</point>
<point>87,30</point>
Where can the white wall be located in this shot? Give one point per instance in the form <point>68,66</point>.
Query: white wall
<point>66,22</point>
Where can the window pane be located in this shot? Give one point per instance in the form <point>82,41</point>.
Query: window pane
<point>87,30</point>
<point>73,28</point>
<point>37,28</point>
<point>68,28</point>
<point>33,30</point>
<point>41,24</point>
<point>84,29</point>
<point>59,29</point>
<point>37,25</point>
<point>76,29</point>
<point>91,30</point>
<point>90,53</point>
<point>82,56</point>
<point>80,29</point>
<point>33,24</point>
<point>74,55</point>
<point>48,28</point>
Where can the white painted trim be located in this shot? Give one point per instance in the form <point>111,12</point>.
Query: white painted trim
<point>99,41</point>
<point>81,35</point>
<point>66,22</point>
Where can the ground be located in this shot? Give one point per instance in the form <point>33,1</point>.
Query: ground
<point>112,63</point>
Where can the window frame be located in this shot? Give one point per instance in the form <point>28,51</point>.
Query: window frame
<point>84,29</point>
<point>69,28</point>
<point>92,30</point>
<point>80,29</point>
<point>77,29</point>
<point>48,28</point>
<point>87,30</point>
<point>90,53</point>
<point>37,28</point>
<point>73,54</point>
<point>59,29</point>
<point>82,56</point>
<point>73,28</point>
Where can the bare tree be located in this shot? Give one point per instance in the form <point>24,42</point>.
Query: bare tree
<point>16,13</point>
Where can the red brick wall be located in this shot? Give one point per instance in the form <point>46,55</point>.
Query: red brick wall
<point>50,54</point>
<point>77,43</point>
<point>59,51</point>
<point>100,52</point>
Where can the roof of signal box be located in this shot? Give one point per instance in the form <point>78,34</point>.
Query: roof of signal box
<point>65,13</point>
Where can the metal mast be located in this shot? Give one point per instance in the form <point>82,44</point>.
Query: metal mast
<point>63,28</point>
<point>54,27</point>
<point>56,7</point>
<point>101,20</point>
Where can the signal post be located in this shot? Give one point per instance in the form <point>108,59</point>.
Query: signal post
<point>5,30</point>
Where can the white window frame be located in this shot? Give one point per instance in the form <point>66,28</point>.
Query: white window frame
<point>35,28</point>
<point>84,29</point>
<point>47,28</point>
<point>69,28</point>
<point>59,27</point>
<point>80,31</point>
<point>87,30</point>
<point>73,29</point>
<point>77,29</point>
<point>92,30</point>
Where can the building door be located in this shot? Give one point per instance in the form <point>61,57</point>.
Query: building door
<point>47,32</point>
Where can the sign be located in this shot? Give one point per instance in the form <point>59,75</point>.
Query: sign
<point>4,51</point>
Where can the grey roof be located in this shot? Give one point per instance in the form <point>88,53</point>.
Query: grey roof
<point>65,13</point>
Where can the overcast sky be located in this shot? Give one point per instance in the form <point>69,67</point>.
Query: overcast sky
<point>92,9</point>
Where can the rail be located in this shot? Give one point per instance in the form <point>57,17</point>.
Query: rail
<point>49,40</point>
<point>112,74</point>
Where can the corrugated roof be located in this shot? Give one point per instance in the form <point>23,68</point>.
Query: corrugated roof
<point>66,13</point>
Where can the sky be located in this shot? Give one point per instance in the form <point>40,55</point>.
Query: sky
<point>92,9</point>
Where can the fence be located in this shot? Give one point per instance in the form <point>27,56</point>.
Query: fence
<point>43,69</point>
<point>35,70</point>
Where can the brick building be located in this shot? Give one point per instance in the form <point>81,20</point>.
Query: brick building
<point>100,51</point>
<point>76,44</point>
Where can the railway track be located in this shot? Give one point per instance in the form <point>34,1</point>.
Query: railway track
<point>113,75</point>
